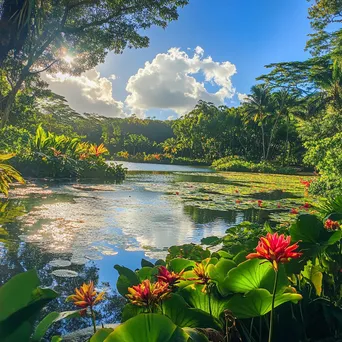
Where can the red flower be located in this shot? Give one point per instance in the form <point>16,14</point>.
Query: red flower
<point>202,275</point>
<point>238,201</point>
<point>275,248</point>
<point>168,277</point>
<point>278,205</point>
<point>306,206</point>
<point>86,296</point>
<point>259,203</point>
<point>236,191</point>
<point>177,193</point>
<point>56,152</point>
<point>306,183</point>
<point>147,294</point>
<point>331,225</point>
<point>294,211</point>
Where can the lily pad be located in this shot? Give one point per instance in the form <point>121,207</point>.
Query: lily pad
<point>64,273</point>
<point>79,261</point>
<point>59,263</point>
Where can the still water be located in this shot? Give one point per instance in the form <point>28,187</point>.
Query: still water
<point>73,233</point>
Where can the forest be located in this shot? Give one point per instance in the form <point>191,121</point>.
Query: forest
<point>259,281</point>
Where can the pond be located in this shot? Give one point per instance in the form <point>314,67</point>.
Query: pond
<point>73,233</point>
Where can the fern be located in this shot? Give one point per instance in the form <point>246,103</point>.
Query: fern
<point>331,206</point>
<point>8,174</point>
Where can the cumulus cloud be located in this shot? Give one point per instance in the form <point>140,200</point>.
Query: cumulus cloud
<point>242,97</point>
<point>88,92</point>
<point>168,82</point>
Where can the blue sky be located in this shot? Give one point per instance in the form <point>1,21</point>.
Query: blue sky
<point>247,33</point>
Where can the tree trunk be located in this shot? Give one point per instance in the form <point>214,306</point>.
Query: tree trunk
<point>9,101</point>
<point>287,155</point>
<point>271,137</point>
<point>263,142</point>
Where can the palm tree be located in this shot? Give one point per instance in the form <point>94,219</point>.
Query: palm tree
<point>258,107</point>
<point>331,84</point>
<point>286,104</point>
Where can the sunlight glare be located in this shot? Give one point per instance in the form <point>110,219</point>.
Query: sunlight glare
<point>69,59</point>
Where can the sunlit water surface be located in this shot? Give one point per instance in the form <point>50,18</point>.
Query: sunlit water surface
<point>91,227</point>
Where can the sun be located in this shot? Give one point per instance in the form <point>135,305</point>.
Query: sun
<point>68,59</point>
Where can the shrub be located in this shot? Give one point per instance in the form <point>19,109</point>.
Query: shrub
<point>238,164</point>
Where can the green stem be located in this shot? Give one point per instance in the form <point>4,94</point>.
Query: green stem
<point>272,310</point>
<point>93,318</point>
<point>209,299</point>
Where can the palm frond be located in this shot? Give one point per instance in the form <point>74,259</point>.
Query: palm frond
<point>8,174</point>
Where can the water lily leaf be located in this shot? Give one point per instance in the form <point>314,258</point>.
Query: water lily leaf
<point>314,275</point>
<point>65,273</point>
<point>188,251</point>
<point>101,335</point>
<point>180,264</point>
<point>182,315</point>
<point>78,261</point>
<point>148,328</point>
<point>59,263</point>
<point>258,302</point>
<point>211,241</point>
<point>50,319</point>
<point>253,274</point>
<point>127,278</point>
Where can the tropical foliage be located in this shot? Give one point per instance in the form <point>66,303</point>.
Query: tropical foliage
<point>263,283</point>
<point>47,154</point>
<point>8,174</point>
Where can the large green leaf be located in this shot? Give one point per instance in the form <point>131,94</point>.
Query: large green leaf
<point>50,319</point>
<point>307,229</point>
<point>130,310</point>
<point>218,273</point>
<point>101,335</point>
<point>314,275</point>
<point>21,301</point>
<point>180,264</point>
<point>188,251</point>
<point>194,296</point>
<point>148,328</point>
<point>254,274</point>
<point>17,293</point>
<point>127,278</point>
<point>182,315</point>
<point>195,336</point>
<point>147,273</point>
<point>258,302</point>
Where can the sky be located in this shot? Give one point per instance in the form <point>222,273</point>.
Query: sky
<point>213,52</point>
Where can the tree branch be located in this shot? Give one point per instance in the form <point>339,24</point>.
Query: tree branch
<point>98,22</point>
<point>49,66</point>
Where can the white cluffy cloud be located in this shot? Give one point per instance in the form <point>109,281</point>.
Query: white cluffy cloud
<point>168,82</point>
<point>242,97</point>
<point>87,93</point>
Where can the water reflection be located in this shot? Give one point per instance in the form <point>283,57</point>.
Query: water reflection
<point>229,217</point>
<point>103,225</point>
